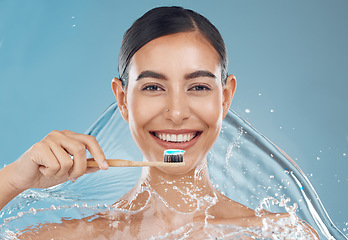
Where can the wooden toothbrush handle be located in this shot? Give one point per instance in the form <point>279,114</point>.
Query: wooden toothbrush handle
<point>127,163</point>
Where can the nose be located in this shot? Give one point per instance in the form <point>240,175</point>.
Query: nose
<point>178,108</point>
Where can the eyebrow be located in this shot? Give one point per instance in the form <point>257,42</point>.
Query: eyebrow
<point>199,73</point>
<point>196,74</point>
<point>151,74</point>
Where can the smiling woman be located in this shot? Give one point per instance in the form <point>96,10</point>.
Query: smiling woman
<point>174,92</point>
<point>159,81</point>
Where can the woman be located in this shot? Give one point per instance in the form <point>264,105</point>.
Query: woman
<point>174,91</point>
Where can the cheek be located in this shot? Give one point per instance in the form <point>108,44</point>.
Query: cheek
<point>211,112</point>
<point>141,111</point>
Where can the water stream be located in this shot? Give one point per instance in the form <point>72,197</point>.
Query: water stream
<point>243,165</point>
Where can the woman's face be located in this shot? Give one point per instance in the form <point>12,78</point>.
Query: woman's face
<point>175,98</point>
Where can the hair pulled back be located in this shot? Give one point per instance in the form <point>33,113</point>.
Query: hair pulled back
<point>164,21</point>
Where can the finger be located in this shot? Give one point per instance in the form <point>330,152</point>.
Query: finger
<point>92,146</point>
<point>47,161</point>
<point>73,147</point>
<point>65,161</point>
<point>78,151</point>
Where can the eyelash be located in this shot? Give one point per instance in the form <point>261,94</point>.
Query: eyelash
<point>152,88</point>
<point>200,88</point>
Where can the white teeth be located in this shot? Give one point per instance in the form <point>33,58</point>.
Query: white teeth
<point>175,138</point>
<point>180,138</point>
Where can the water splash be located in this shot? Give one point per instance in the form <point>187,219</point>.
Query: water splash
<point>285,228</point>
<point>245,166</point>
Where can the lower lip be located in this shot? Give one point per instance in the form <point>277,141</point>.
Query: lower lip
<point>175,145</point>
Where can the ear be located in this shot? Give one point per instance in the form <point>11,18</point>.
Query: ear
<point>228,93</point>
<point>120,95</point>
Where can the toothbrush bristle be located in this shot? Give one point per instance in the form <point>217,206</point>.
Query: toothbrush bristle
<point>174,155</point>
<point>173,158</point>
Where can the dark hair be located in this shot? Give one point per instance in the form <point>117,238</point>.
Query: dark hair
<point>164,21</point>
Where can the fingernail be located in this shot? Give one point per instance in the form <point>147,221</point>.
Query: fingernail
<point>105,165</point>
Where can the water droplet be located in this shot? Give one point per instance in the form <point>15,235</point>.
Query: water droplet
<point>33,210</point>
<point>74,25</point>
<point>247,110</point>
<point>318,158</point>
<point>281,127</point>
<point>272,110</point>
<point>344,154</point>
<point>271,176</point>
<point>73,17</point>
<point>260,94</point>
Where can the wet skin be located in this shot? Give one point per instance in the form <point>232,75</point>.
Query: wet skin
<point>175,99</point>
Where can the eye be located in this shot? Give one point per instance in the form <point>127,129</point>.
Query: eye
<point>200,88</point>
<point>152,88</point>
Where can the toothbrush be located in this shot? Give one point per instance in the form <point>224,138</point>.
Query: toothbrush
<point>172,158</point>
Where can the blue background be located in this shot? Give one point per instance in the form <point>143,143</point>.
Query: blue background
<point>57,59</point>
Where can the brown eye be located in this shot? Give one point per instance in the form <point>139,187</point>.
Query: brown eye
<point>152,88</point>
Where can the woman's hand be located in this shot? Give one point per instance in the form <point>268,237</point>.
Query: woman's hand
<point>60,156</point>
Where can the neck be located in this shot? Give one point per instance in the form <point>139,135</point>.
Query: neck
<point>186,192</point>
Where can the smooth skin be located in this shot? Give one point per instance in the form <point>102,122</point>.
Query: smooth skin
<point>169,91</point>
<point>48,163</point>
<point>174,88</point>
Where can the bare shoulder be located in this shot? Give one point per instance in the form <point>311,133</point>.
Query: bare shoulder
<point>227,208</point>
<point>227,211</point>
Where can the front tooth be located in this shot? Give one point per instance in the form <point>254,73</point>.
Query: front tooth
<point>180,138</point>
<point>173,138</point>
<point>167,138</point>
